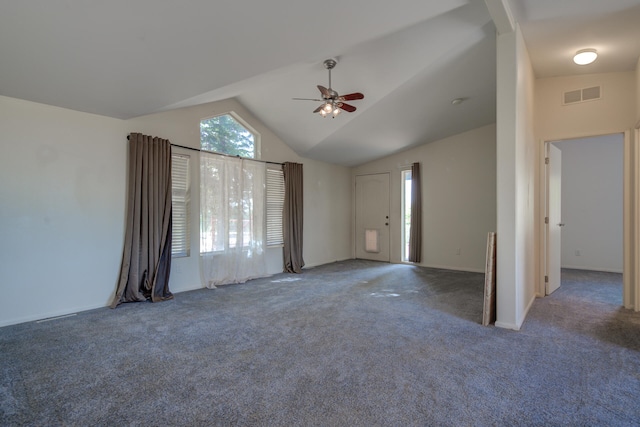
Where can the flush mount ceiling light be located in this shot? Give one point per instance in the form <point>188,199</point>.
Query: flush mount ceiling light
<point>585,56</point>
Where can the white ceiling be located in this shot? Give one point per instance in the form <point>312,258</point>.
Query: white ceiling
<point>123,58</point>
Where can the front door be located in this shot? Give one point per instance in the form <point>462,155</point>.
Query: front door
<point>372,217</point>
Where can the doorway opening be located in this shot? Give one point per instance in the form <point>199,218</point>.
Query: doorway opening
<point>584,208</point>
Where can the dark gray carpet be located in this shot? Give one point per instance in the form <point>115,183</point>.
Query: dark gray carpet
<point>354,343</point>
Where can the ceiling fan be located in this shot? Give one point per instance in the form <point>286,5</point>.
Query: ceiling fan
<point>332,103</point>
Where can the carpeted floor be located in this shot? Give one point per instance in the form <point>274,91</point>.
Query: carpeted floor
<point>354,343</point>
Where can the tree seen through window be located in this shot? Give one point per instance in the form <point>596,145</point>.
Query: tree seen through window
<point>224,134</point>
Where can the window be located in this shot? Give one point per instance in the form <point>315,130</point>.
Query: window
<point>232,198</point>
<point>180,203</point>
<point>228,134</point>
<point>232,219</point>
<point>275,204</point>
<point>406,213</point>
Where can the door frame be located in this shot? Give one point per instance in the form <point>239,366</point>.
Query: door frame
<point>630,210</point>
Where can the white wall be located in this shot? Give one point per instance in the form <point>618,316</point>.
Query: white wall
<point>517,153</point>
<point>459,197</point>
<point>631,294</point>
<point>327,214</point>
<point>592,203</point>
<point>64,172</point>
<point>638,94</point>
<point>62,186</point>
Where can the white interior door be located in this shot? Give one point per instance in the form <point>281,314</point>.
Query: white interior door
<point>554,224</point>
<point>372,217</point>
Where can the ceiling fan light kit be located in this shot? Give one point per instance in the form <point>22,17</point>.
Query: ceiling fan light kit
<point>332,102</point>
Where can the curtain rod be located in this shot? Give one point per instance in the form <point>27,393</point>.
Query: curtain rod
<point>226,155</point>
<point>221,154</point>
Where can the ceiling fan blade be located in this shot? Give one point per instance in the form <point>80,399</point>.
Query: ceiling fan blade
<point>324,91</point>
<point>351,96</point>
<point>347,107</point>
<point>308,99</point>
<point>317,110</point>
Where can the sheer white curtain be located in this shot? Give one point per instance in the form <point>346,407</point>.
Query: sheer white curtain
<point>232,218</point>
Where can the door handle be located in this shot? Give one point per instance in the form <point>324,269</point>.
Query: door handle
<point>561,224</point>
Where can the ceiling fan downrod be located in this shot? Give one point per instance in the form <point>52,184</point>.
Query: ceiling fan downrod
<point>329,64</point>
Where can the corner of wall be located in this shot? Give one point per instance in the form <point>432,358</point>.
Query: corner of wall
<point>521,318</point>
<point>504,325</point>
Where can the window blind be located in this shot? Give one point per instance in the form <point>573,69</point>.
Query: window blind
<point>275,204</point>
<point>180,243</point>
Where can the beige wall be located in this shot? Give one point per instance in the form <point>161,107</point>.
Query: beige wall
<point>517,260</point>
<point>64,172</point>
<point>528,151</point>
<point>615,112</point>
<point>458,190</point>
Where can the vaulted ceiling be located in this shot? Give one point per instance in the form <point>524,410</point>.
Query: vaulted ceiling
<point>410,58</point>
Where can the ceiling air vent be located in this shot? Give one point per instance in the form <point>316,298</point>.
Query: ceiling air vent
<point>582,95</point>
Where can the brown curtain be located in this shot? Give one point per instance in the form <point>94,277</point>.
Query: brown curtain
<point>415,236</point>
<point>146,258</point>
<point>292,218</point>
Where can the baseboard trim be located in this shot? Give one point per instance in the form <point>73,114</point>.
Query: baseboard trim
<point>187,288</point>
<point>526,312</point>
<point>49,315</point>
<point>436,266</point>
<point>603,270</point>
<point>325,263</point>
<point>505,325</point>
<point>445,267</point>
<point>521,319</point>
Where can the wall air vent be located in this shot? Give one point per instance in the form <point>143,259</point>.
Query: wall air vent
<point>582,95</point>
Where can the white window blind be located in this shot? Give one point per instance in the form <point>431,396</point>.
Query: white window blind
<point>180,201</point>
<point>275,204</point>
